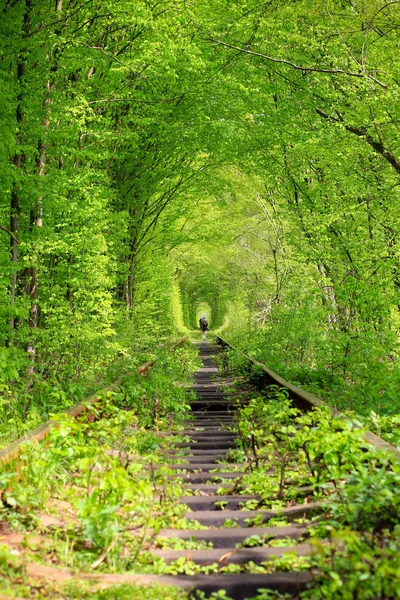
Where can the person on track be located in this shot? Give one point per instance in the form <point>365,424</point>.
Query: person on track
<point>203,324</point>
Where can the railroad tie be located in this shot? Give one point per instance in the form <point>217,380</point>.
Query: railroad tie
<point>204,471</point>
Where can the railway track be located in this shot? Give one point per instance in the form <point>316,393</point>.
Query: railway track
<point>267,537</point>
<point>204,471</point>
<point>256,498</point>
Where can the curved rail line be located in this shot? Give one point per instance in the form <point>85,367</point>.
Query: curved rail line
<point>306,401</point>
<point>12,451</point>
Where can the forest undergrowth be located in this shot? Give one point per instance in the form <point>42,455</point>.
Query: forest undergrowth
<point>368,394</point>
<point>90,498</point>
<point>28,402</point>
<point>295,457</point>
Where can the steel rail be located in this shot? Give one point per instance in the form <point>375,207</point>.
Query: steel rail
<point>307,401</point>
<point>12,451</point>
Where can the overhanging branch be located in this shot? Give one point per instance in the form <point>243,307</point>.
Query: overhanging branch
<point>362,132</point>
<point>298,67</point>
<point>12,236</point>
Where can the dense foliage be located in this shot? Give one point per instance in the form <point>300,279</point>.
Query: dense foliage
<point>308,214</point>
<point>163,159</point>
<point>91,156</point>
<point>358,486</point>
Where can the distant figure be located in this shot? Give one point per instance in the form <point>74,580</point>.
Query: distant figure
<point>203,324</point>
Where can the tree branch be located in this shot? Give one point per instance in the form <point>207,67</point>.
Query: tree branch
<point>362,132</point>
<point>298,67</point>
<point>383,8</point>
<point>134,101</point>
<point>10,234</point>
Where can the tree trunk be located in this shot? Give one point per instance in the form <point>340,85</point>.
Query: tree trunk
<point>19,159</point>
<point>37,220</point>
<point>130,284</point>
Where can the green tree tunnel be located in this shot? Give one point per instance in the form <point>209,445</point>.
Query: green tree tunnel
<point>159,160</point>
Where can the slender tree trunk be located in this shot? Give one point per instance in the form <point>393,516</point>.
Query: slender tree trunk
<point>329,296</point>
<point>130,284</point>
<point>38,217</point>
<point>19,159</point>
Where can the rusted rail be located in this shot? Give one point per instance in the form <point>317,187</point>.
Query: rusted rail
<point>306,401</point>
<point>11,452</point>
